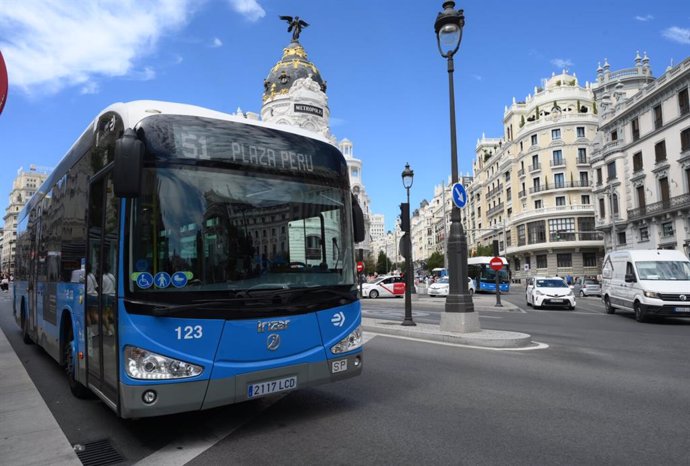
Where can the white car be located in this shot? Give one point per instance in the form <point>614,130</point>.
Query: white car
<point>549,291</point>
<point>384,287</point>
<point>440,288</point>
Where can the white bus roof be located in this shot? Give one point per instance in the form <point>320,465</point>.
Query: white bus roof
<point>135,111</point>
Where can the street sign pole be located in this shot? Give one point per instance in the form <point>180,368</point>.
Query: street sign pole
<point>496,264</point>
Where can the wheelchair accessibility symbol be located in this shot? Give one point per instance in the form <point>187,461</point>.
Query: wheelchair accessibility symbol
<point>144,280</point>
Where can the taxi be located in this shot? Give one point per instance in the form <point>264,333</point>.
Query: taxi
<point>384,287</point>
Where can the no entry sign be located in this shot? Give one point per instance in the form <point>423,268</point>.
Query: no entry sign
<point>496,263</point>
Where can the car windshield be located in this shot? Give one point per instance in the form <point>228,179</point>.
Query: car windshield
<point>663,270</point>
<point>551,283</point>
<point>591,282</point>
<point>443,280</point>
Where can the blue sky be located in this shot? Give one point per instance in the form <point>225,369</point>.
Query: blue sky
<point>387,84</point>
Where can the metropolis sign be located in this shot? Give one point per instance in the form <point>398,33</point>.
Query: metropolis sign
<point>303,108</point>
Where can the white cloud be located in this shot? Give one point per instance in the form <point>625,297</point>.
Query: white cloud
<point>562,62</point>
<point>477,77</point>
<point>90,87</point>
<point>644,18</point>
<point>52,45</point>
<point>250,9</point>
<point>676,34</point>
<point>216,42</point>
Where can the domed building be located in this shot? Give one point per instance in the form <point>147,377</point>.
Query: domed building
<point>295,94</point>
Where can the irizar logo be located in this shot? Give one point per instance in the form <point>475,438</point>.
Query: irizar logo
<point>338,319</point>
<point>272,325</point>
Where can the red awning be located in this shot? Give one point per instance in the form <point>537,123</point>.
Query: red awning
<point>4,84</point>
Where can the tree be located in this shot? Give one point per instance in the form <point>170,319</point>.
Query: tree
<point>435,261</point>
<point>369,266</point>
<point>487,250</point>
<point>382,263</point>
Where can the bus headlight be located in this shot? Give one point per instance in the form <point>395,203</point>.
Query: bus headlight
<point>146,365</point>
<point>349,343</point>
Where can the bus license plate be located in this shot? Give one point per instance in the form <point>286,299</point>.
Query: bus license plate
<point>272,386</point>
<point>339,366</point>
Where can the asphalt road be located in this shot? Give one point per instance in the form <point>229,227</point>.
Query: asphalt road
<point>607,390</point>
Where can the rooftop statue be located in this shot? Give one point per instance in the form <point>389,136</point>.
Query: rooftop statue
<point>295,26</point>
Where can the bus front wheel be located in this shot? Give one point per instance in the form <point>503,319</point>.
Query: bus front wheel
<point>77,389</point>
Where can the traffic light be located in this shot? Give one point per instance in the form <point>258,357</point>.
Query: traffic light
<point>405,217</point>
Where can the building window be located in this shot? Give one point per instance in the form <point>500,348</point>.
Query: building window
<point>685,140</point>
<point>581,155</point>
<point>602,210</point>
<point>584,199</point>
<point>560,200</point>
<point>355,173</point>
<point>614,135</point>
<point>621,238</point>
<point>538,204</point>
<point>535,162</point>
<point>541,261</point>
<point>611,171</point>
<point>534,139</point>
<point>644,234</point>
<point>637,161</point>
<point>580,131</point>
<point>516,264</point>
<point>555,134</point>
<point>564,260</point>
<point>557,157</point>
<point>683,101</point>
<point>660,151</point>
<point>667,229</point>
<point>559,180</point>
<point>658,117</point>
<point>521,235</point>
<point>536,232</point>
<point>635,125</point>
<point>589,259</point>
<point>586,227</point>
<point>615,205</point>
<point>599,180</point>
<point>584,179</point>
<point>528,262</point>
<point>562,229</point>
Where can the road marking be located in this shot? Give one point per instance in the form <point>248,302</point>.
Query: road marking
<point>459,345</point>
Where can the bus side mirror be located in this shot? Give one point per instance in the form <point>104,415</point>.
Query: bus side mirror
<point>357,220</point>
<point>129,164</point>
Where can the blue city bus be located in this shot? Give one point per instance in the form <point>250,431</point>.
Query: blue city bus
<point>180,259</point>
<point>485,277</point>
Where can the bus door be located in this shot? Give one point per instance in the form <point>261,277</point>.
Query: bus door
<point>32,288</point>
<point>101,288</point>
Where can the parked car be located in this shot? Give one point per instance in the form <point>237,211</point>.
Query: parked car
<point>647,282</point>
<point>549,291</point>
<point>440,288</point>
<point>587,287</point>
<point>388,286</point>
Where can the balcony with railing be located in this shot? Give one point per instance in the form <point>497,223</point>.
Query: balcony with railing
<point>522,194</point>
<point>495,210</point>
<point>577,209</point>
<point>521,172</point>
<point>492,192</point>
<point>535,167</point>
<point>582,160</point>
<point>671,205</point>
<point>558,163</point>
<point>563,185</point>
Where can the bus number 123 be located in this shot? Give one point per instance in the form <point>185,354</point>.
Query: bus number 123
<point>189,333</point>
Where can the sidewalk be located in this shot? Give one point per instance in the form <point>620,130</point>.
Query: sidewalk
<point>432,332</point>
<point>29,434</point>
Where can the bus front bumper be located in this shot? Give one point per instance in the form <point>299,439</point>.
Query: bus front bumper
<point>179,397</point>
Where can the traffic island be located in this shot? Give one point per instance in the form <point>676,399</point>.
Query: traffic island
<point>432,332</point>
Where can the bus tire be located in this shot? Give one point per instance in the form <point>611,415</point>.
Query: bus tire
<point>76,387</point>
<point>25,330</point>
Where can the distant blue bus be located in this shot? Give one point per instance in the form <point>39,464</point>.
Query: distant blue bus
<point>180,259</point>
<point>485,277</point>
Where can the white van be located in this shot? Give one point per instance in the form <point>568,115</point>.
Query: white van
<point>647,282</point>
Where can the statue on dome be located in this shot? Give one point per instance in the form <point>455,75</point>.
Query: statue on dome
<point>295,26</point>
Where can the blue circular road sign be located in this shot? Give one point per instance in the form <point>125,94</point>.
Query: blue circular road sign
<point>459,195</point>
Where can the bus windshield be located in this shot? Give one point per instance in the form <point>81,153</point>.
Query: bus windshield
<point>225,230</point>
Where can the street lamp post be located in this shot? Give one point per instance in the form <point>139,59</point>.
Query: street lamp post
<point>407,178</point>
<point>459,315</point>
